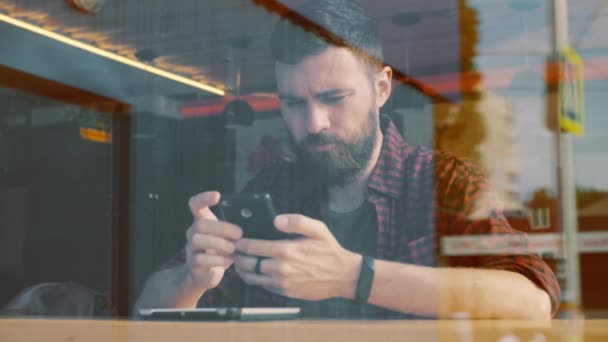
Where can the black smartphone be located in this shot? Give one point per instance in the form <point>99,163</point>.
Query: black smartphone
<point>253,212</point>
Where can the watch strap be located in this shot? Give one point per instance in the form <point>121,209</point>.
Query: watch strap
<point>366,278</point>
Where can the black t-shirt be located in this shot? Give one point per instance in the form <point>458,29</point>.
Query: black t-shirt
<point>356,231</point>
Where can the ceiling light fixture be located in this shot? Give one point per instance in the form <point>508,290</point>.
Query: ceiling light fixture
<point>110,55</point>
<point>87,6</point>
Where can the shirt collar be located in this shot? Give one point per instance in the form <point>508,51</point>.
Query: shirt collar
<point>388,176</point>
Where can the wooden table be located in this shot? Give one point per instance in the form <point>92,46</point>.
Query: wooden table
<point>49,330</point>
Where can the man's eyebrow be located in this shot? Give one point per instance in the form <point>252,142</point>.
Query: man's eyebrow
<point>327,93</point>
<point>283,96</point>
<point>335,92</point>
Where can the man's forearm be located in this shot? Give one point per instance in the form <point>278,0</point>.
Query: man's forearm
<point>442,292</point>
<point>170,288</point>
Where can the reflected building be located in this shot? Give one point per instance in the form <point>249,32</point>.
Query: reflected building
<point>481,128</point>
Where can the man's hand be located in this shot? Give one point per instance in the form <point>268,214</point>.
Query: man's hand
<point>314,267</point>
<point>211,244</point>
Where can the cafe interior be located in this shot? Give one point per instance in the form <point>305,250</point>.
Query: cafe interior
<point>114,113</point>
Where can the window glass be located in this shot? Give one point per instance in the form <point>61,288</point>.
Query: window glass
<point>418,132</point>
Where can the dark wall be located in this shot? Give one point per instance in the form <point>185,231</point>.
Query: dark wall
<point>172,161</point>
<point>68,224</point>
<point>70,215</point>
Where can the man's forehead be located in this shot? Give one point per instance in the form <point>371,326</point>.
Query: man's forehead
<point>332,58</point>
<point>330,71</point>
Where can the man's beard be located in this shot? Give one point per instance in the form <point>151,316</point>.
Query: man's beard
<point>344,161</point>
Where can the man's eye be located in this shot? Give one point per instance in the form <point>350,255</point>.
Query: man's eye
<point>292,104</point>
<point>334,99</point>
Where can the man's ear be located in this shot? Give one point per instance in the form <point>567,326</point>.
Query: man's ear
<point>383,84</point>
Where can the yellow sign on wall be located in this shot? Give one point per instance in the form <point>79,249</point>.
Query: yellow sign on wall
<point>95,135</point>
<point>94,126</point>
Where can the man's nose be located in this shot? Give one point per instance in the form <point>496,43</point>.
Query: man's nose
<point>318,119</point>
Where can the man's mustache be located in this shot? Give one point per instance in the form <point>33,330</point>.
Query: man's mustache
<point>319,139</point>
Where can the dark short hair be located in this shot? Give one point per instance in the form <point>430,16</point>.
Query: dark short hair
<point>318,24</point>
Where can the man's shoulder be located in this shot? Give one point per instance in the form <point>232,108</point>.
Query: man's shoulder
<point>460,183</point>
<point>442,162</point>
<point>450,174</point>
<point>447,164</point>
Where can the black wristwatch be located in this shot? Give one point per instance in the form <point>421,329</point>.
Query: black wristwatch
<point>366,278</point>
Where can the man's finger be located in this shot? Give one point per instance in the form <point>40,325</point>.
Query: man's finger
<point>206,242</point>
<point>265,248</point>
<point>268,266</point>
<point>203,260</point>
<point>277,290</point>
<point>199,204</point>
<point>302,225</point>
<point>256,279</point>
<point>217,228</point>
<point>245,262</point>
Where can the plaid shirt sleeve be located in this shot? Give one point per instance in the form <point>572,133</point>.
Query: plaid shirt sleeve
<point>467,206</point>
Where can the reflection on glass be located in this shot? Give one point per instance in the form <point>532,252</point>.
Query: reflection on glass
<point>369,209</point>
<point>409,135</point>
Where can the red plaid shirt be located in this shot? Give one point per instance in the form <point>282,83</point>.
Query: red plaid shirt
<point>420,196</point>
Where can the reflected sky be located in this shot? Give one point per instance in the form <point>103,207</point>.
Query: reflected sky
<point>499,48</point>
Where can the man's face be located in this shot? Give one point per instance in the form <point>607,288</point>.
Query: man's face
<point>329,104</point>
